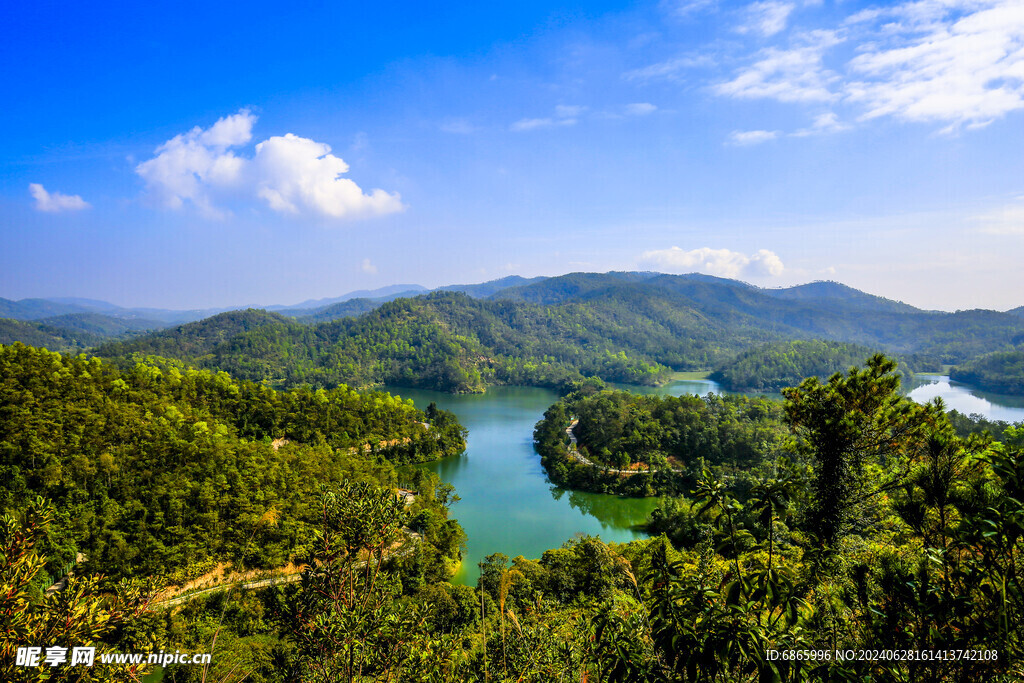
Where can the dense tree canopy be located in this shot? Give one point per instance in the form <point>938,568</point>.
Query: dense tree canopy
<point>786,364</point>
<point>160,468</point>
<point>1002,372</point>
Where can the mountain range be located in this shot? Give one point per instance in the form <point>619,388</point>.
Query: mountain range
<point>619,326</point>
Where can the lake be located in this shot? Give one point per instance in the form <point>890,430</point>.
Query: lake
<point>507,504</point>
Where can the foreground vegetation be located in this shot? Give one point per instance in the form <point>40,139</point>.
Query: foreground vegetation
<point>846,518</point>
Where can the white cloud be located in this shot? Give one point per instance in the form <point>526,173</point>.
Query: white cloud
<point>766,18</point>
<point>294,173</point>
<point>367,267</point>
<point>289,173</point>
<point>687,8</point>
<point>794,75</point>
<point>721,262</point>
<point>565,115</point>
<point>640,109</point>
<point>823,123</point>
<point>670,69</point>
<point>752,137</point>
<point>940,64</point>
<point>189,165</point>
<point>531,124</point>
<point>534,124</point>
<point>954,62</point>
<point>53,202</point>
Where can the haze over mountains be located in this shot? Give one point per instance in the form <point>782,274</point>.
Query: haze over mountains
<point>47,309</point>
<point>620,326</point>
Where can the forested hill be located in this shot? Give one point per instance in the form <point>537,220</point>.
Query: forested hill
<point>1002,371</point>
<point>785,364</point>
<point>627,327</point>
<point>160,468</point>
<point>446,341</point>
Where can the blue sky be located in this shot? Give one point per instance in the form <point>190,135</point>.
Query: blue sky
<point>193,156</point>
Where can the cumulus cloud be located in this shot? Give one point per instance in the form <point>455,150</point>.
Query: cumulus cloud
<point>742,138</point>
<point>53,202</point>
<point>721,262</point>
<point>189,165</point>
<point>290,174</point>
<point>367,267</point>
<point>296,173</point>
<point>766,18</point>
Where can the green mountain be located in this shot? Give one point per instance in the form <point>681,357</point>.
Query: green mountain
<point>828,291</point>
<point>627,327</point>
<point>43,336</point>
<point>492,287</point>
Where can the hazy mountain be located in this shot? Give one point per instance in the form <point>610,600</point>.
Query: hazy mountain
<point>388,293</point>
<point>492,287</point>
<point>101,325</point>
<point>343,309</point>
<point>34,309</point>
<point>556,289</point>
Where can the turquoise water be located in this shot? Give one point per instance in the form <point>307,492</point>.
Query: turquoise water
<point>507,504</point>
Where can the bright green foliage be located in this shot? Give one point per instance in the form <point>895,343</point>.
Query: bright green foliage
<point>86,612</point>
<point>845,426</point>
<point>666,440</point>
<point>345,620</point>
<point>161,469</point>
<point>443,341</point>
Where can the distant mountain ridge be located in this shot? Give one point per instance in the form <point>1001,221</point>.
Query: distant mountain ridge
<point>540,289</point>
<point>620,326</point>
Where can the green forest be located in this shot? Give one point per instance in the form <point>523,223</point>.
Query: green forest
<point>839,523</point>
<point>785,364</point>
<point>652,445</point>
<point>1001,371</point>
<point>165,470</point>
<point>621,327</point>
